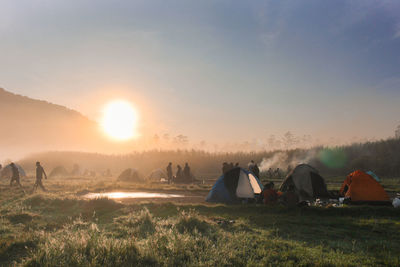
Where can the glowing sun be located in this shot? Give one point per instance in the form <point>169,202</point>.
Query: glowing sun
<point>119,120</point>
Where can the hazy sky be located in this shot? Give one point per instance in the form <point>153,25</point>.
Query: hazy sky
<point>213,70</point>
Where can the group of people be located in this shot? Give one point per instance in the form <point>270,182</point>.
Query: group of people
<point>252,166</point>
<point>228,166</point>
<point>270,196</point>
<point>184,175</point>
<point>15,176</point>
<point>277,173</point>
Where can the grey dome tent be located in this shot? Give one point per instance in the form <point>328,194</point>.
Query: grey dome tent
<point>130,175</point>
<point>59,171</point>
<point>307,182</point>
<point>6,172</point>
<point>157,175</point>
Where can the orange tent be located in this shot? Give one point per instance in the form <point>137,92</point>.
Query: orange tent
<point>361,187</point>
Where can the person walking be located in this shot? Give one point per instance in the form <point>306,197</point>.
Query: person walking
<point>39,176</point>
<point>15,175</point>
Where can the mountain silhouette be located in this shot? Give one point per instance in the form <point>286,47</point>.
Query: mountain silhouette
<point>29,125</point>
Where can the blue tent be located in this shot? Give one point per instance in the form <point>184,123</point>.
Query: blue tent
<point>234,185</point>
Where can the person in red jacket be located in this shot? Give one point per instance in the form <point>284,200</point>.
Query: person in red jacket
<point>270,196</point>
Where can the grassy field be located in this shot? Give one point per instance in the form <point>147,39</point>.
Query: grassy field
<point>59,228</point>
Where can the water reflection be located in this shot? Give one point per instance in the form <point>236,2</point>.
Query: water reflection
<point>118,195</point>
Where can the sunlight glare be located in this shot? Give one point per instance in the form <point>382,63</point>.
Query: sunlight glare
<point>120,120</point>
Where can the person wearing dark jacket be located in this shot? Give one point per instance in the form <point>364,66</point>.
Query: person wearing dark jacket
<point>39,176</point>
<point>256,170</point>
<point>15,175</point>
<point>179,173</point>
<point>269,194</point>
<point>186,172</point>
<point>169,172</point>
<point>225,167</point>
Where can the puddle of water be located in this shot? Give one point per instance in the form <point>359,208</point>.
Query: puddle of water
<point>118,195</point>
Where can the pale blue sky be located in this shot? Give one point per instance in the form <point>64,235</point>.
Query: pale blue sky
<point>202,68</point>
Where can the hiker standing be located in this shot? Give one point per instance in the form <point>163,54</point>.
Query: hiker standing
<point>256,170</point>
<point>15,175</point>
<point>186,172</point>
<point>179,173</point>
<point>270,173</point>
<point>231,166</point>
<point>39,176</point>
<point>225,167</point>
<point>278,173</point>
<point>169,172</point>
<point>250,166</point>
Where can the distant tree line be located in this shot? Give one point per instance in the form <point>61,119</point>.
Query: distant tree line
<point>381,157</point>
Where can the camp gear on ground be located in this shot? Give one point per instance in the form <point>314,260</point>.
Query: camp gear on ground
<point>396,203</point>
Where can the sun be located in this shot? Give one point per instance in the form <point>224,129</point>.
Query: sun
<point>120,120</point>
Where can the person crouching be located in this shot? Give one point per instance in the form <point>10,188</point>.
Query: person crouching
<point>270,196</point>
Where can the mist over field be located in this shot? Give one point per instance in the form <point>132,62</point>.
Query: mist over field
<point>35,126</point>
<point>199,133</point>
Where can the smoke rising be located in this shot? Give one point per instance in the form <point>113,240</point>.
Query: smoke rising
<point>284,159</point>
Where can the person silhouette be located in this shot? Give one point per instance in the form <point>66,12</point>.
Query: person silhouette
<point>15,175</point>
<point>39,176</point>
<point>256,170</point>
<point>179,173</point>
<point>169,172</point>
<point>186,172</point>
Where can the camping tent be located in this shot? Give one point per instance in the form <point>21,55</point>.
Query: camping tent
<point>76,170</point>
<point>6,172</point>
<point>361,187</point>
<point>374,176</point>
<point>59,171</point>
<point>307,182</point>
<point>157,175</point>
<point>233,185</point>
<point>130,175</point>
